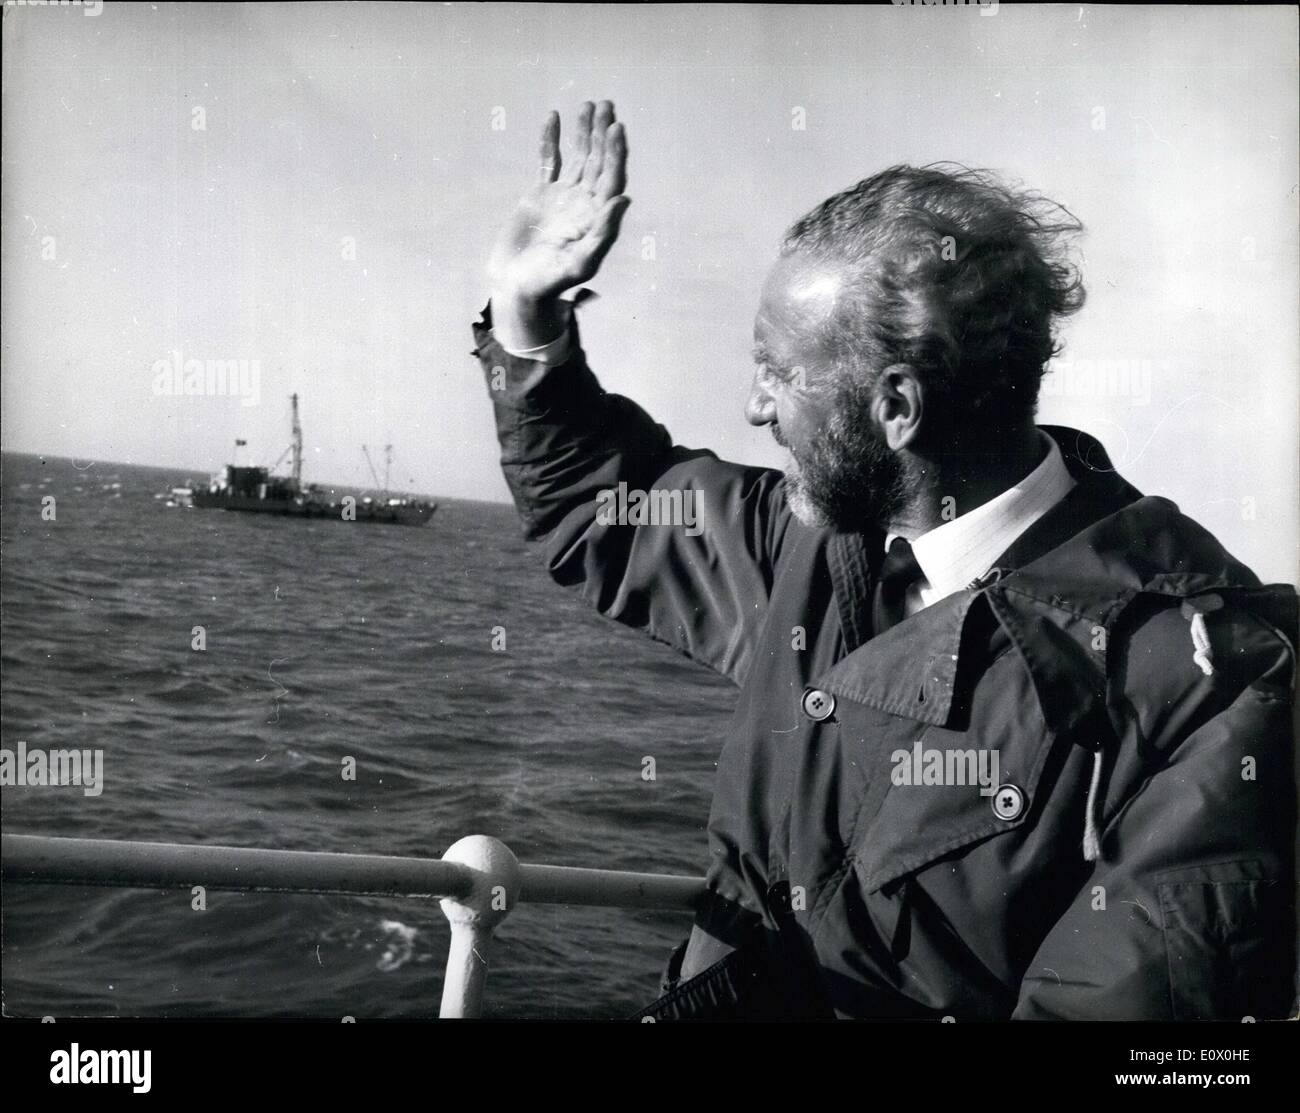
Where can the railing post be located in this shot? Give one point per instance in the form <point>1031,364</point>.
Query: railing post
<point>497,881</point>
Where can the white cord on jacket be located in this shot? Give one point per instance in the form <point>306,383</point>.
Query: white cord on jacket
<point>1091,835</point>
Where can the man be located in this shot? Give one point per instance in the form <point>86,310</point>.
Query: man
<point>1013,741</point>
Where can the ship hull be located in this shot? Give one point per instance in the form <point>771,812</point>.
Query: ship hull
<point>289,508</point>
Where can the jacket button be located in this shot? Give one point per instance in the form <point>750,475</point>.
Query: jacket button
<point>818,705</point>
<point>1008,802</point>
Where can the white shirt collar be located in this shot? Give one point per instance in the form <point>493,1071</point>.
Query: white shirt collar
<point>958,552</point>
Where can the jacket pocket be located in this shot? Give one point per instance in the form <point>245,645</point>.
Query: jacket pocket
<point>986,782</point>
<point>1229,937</point>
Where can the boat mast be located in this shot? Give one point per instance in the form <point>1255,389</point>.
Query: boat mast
<point>371,465</point>
<point>388,465</point>
<point>297,444</point>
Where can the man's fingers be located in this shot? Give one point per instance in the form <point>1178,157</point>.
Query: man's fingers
<point>581,141</point>
<point>550,149</point>
<point>613,171</point>
<point>596,157</point>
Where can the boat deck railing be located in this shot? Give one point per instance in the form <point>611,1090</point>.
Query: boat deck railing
<point>478,882</point>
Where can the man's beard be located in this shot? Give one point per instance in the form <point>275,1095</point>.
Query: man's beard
<point>849,480</point>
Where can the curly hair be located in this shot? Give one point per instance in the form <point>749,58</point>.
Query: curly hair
<point>955,273</point>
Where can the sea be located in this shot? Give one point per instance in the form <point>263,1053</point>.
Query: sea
<point>473,695</point>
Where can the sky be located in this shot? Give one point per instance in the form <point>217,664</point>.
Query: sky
<point>313,189</point>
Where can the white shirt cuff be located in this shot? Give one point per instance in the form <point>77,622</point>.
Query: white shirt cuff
<point>553,353</point>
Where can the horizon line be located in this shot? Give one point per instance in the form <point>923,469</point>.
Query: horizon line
<point>207,471</point>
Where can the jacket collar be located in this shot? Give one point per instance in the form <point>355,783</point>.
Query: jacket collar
<point>854,559</point>
<point>1057,593</point>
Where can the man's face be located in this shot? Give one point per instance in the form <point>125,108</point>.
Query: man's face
<point>842,474</point>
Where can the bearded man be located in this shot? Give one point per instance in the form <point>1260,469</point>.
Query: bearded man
<point>1012,739</point>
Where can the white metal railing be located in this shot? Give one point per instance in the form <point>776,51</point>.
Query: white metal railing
<point>478,882</point>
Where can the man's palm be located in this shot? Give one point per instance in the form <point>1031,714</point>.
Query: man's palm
<point>563,228</point>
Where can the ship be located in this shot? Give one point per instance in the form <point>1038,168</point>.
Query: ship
<point>255,490</point>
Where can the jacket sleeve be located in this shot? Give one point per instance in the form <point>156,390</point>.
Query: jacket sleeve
<point>1190,912</point>
<point>701,582</point>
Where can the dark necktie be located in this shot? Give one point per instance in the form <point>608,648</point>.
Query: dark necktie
<point>898,572</point>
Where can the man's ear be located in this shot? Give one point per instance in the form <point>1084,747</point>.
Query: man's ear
<point>899,405</point>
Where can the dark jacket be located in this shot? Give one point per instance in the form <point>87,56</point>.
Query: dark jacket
<point>1135,858</point>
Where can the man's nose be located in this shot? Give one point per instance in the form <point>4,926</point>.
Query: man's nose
<point>760,408</point>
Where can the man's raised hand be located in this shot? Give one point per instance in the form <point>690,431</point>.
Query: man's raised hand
<point>565,224</point>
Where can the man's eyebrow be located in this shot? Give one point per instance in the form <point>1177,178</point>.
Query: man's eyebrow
<point>761,353</point>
